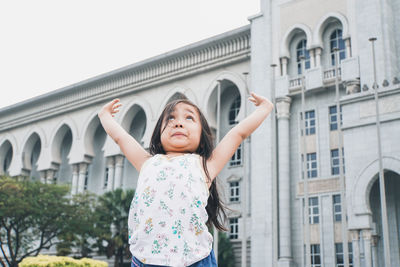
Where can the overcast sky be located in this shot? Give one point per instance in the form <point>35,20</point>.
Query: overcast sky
<point>49,44</point>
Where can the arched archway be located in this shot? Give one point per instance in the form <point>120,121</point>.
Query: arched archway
<point>392,185</point>
<point>30,155</point>
<point>94,139</point>
<point>135,122</point>
<point>6,154</point>
<point>60,148</point>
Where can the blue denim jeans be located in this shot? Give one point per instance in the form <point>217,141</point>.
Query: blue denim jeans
<point>206,262</point>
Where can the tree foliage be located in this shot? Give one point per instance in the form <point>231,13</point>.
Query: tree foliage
<point>79,235</point>
<point>112,226</point>
<point>32,215</point>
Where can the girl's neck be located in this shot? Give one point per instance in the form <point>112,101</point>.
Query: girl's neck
<point>171,154</point>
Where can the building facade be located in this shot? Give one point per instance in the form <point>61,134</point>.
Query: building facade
<point>303,192</point>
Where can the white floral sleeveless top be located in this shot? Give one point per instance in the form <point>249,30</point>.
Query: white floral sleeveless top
<point>168,212</point>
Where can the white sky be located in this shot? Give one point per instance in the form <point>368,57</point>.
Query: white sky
<point>50,44</point>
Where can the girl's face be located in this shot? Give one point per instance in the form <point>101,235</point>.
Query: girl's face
<point>183,129</point>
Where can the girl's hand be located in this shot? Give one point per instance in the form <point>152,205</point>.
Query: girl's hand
<point>261,101</point>
<point>111,108</point>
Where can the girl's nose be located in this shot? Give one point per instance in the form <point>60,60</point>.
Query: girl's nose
<point>178,125</point>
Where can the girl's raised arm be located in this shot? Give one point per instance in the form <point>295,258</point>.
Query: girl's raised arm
<point>231,141</point>
<point>132,150</point>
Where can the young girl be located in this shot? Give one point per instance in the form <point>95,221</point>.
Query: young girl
<point>176,196</point>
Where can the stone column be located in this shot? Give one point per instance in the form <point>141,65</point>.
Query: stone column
<point>348,47</point>
<point>318,52</point>
<point>284,63</point>
<point>367,247</point>
<point>119,164</point>
<point>43,177</point>
<point>355,239</point>
<point>50,176</point>
<point>312,58</point>
<point>283,114</point>
<point>75,173</point>
<point>82,175</point>
<point>110,166</point>
<point>374,243</point>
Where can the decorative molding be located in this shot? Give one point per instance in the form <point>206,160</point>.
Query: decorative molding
<point>225,49</point>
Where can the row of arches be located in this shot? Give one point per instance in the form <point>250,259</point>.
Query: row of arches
<point>64,152</point>
<point>318,49</point>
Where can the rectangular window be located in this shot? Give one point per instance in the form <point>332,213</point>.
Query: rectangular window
<point>337,208</point>
<point>237,157</point>
<point>340,255</point>
<point>315,255</point>
<point>310,122</point>
<point>313,210</point>
<point>350,254</point>
<point>106,178</point>
<point>335,161</point>
<point>312,165</point>
<point>234,189</point>
<point>233,228</point>
<point>333,118</point>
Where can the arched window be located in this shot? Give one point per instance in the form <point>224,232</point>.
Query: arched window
<point>301,50</point>
<point>336,41</point>
<point>234,111</point>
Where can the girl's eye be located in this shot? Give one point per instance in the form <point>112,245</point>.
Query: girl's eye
<point>190,118</point>
<point>170,118</point>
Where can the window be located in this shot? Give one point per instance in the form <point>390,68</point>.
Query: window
<point>337,208</point>
<point>335,168</point>
<point>234,189</point>
<point>350,245</point>
<point>312,165</point>
<point>86,179</point>
<point>234,111</point>
<point>310,122</point>
<point>340,255</point>
<point>333,118</point>
<point>315,256</point>
<point>336,41</point>
<point>233,228</point>
<point>106,178</point>
<point>301,50</point>
<point>313,210</point>
<point>237,157</point>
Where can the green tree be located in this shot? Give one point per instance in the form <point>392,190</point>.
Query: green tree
<point>79,235</point>
<point>112,226</point>
<point>225,251</point>
<point>32,215</point>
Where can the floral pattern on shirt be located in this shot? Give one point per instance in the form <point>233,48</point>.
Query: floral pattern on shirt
<point>167,215</point>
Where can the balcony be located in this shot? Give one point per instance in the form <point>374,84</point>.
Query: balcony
<point>318,77</point>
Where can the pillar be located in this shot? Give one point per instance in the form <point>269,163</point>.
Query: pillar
<point>367,247</point>
<point>75,173</point>
<point>283,114</point>
<point>119,164</point>
<point>284,63</point>
<point>43,177</point>
<point>318,52</point>
<point>50,176</point>
<point>348,47</point>
<point>110,166</point>
<point>355,239</point>
<point>312,58</point>
<point>374,243</point>
<point>82,175</point>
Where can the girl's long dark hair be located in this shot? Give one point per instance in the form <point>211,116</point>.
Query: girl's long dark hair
<point>215,207</point>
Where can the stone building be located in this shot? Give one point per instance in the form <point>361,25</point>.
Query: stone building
<point>281,218</point>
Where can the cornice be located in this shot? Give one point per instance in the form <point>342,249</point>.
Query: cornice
<point>228,48</point>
